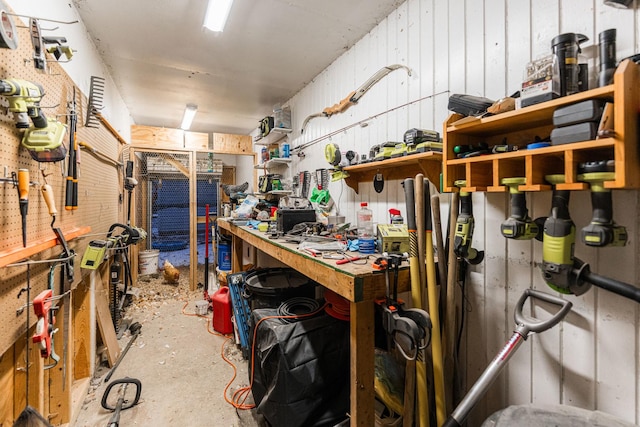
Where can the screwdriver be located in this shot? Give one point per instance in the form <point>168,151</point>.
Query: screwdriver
<point>23,193</point>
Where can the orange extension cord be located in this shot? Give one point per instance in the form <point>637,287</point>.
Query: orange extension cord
<point>239,397</point>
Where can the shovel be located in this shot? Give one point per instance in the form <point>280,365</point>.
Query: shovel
<point>524,326</point>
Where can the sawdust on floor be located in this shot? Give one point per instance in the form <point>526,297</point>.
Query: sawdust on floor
<point>178,359</point>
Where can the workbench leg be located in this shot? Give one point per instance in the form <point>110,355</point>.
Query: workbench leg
<point>236,254</point>
<point>362,364</point>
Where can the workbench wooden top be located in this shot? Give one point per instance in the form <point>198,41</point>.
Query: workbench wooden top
<point>353,281</point>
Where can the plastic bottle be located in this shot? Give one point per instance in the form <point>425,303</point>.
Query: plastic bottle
<point>366,236</point>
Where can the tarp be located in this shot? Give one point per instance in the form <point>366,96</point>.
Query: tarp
<point>301,375</point>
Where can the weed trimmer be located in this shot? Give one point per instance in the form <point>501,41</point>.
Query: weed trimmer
<point>134,329</point>
<point>524,326</point>
<point>123,400</point>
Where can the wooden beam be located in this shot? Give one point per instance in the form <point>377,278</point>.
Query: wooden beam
<point>105,324</point>
<point>177,164</point>
<point>36,376</point>
<point>13,255</point>
<point>81,331</point>
<point>6,388</point>
<point>110,128</point>
<point>362,364</point>
<point>193,222</point>
<point>57,389</point>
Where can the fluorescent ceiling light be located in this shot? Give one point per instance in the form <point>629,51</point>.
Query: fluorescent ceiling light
<point>189,114</point>
<point>217,13</point>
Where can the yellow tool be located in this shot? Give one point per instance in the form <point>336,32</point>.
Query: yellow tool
<point>43,140</point>
<point>24,102</point>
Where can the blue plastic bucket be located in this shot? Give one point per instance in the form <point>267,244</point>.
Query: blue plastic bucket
<point>224,255</point>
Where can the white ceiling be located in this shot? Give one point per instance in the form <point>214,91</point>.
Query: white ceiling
<point>161,58</point>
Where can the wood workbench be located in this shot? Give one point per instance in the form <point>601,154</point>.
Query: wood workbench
<point>357,283</point>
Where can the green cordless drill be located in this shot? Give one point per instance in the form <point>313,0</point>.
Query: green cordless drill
<point>519,225</point>
<point>464,229</point>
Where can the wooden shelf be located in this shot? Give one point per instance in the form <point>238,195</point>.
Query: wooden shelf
<point>273,137</point>
<point>520,127</point>
<point>429,164</point>
<point>13,255</point>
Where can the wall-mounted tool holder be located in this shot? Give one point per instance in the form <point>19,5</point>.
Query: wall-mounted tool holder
<point>521,127</point>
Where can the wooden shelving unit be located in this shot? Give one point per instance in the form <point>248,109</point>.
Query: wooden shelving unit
<point>520,127</point>
<point>429,164</point>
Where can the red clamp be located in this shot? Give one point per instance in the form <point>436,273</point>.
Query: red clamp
<point>44,327</point>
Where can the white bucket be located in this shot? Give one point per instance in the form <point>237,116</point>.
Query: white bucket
<point>148,261</point>
<point>202,307</point>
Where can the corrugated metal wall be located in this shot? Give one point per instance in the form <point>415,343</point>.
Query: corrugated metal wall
<point>480,48</point>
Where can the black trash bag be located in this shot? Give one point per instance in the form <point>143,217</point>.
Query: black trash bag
<point>302,372</point>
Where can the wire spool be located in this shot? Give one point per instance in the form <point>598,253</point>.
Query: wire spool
<point>8,35</point>
<point>337,306</point>
<point>332,154</point>
<point>294,307</point>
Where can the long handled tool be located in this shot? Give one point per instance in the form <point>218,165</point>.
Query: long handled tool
<point>416,298</point>
<point>450,330</point>
<point>434,310</point>
<point>440,249</point>
<point>134,328</point>
<point>71,190</point>
<point>123,400</point>
<point>524,326</point>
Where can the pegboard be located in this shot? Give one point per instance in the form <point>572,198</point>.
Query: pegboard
<point>100,200</point>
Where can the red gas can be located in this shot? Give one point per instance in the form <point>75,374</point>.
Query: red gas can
<point>222,310</point>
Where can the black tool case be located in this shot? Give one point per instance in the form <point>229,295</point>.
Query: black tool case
<point>469,105</point>
<point>585,111</point>
<point>586,131</point>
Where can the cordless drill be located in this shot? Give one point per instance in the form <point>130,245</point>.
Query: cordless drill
<point>24,101</point>
<point>519,225</point>
<point>464,229</point>
<point>601,231</point>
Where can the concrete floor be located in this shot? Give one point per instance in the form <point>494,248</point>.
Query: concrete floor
<point>179,364</point>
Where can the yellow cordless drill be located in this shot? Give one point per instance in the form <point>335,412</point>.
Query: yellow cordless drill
<point>24,101</point>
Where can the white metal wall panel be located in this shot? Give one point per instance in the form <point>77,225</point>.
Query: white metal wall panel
<point>481,47</point>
